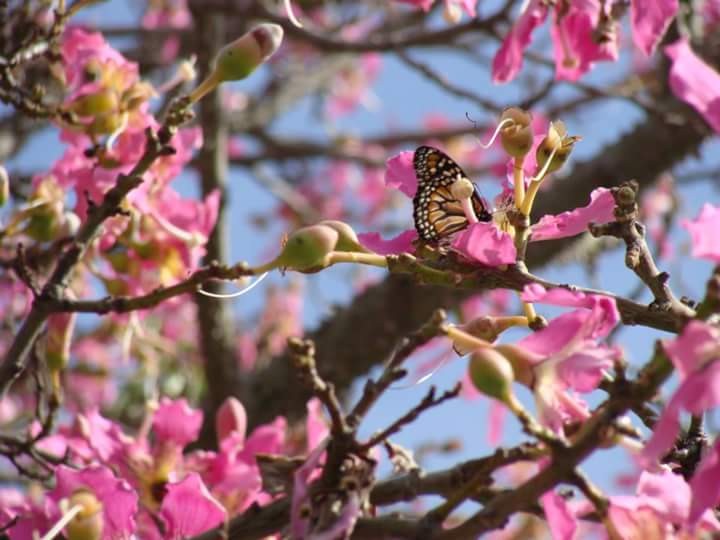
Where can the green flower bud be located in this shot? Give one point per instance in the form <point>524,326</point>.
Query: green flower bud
<point>88,524</point>
<point>516,136</point>
<point>4,186</point>
<point>522,362</point>
<point>306,248</point>
<point>238,59</point>
<point>60,327</point>
<point>492,374</point>
<point>558,140</point>
<point>347,239</point>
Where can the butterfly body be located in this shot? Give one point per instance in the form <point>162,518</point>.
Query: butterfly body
<point>437,213</point>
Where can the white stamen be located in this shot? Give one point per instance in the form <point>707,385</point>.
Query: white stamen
<point>290,14</point>
<point>496,133</point>
<point>63,521</point>
<point>424,378</point>
<point>235,294</point>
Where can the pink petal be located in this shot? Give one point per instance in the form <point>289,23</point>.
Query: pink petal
<point>402,243</point>
<point>604,307</point>
<point>574,222</point>
<point>496,419</point>
<point>400,173</point>
<point>176,422</point>
<point>703,232</point>
<point>231,418</point>
<point>560,519</point>
<point>316,426</point>
<point>694,347</point>
<point>268,439</point>
<point>576,50</point>
<point>301,479</point>
<point>425,5</point>
<point>650,19</point>
<point>508,60</point>
<point>119,500</point>
<point>699,392</point>
<point>345,523</point>
<point>695,82</point>
<point>705,484</point>
<point>189,509</point>
<point>485,243</point>
<point>666,493</point>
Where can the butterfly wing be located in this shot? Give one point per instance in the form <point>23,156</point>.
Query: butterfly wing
<point>436,212</point>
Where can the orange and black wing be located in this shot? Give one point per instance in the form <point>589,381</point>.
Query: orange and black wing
<point>436,212</point>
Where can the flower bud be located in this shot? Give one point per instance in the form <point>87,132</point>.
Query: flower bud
<point>88,524</point>
<point>482,327</point>
<point>522,362</point>
<point>136,95</point>
<point>105,124</point>
<point>4,186</point>
<point>492,374</point>
<point>307,247</point>
<point>556,140</point>
<point>98,103</point>
<point>347,239</point>
<point>516,136</point>
<point>60,328</point>
<point>239,59</point>
<point>230,418</point>
<point>462,189</point>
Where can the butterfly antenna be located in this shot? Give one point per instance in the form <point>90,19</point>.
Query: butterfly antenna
<point>235,294</point>
<point>425,377</point>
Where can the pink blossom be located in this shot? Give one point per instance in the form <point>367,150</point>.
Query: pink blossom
<point>402,243</point>
<point>662,501</point>
<point>400,173</point>
<point>167,14</point>
<point>352,86</point>
<point>576,48</point>
<point>560,518</point>
<point>650,20</point>
<point>119,500</point>
<point>484,243</point>
<point>425,5</point>
<point>695,354</point>
<point>175,422</point>
<point>508,60</point>
<point>316,426</point>
<point>694,82</point>
<point>705,484</point>
<point>608,314</point>
<point>703,233</point>
<point>599,210</point>
<point>188,508</point>
<point>301,480</point>
<point>566,356</point>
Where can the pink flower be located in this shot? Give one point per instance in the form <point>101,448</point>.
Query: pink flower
<point>400,173</point>
<point>176,423</point>
<point>425,5</point>
<point>650,19</point>
<point>662,502</point>
<point>573,222</point>
<point>508,60</point>
<point>484,243</point>
<point>560,518</point>
<point>119,500</point>
<point>696,355</point>
<point>566,356</point>
<point>695,82</point>
<point>167,14</point>
<point>316,426</point>
<point>704,233</point>
<point>576,48</point>
<point>402,243</point>
<point>705,485</point>
<point>301,482</point>
<point>189,509</point>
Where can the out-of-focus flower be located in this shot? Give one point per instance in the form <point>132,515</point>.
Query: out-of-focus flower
<point>704,233</point>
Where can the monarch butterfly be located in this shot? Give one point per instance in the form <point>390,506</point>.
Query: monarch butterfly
<point>436,212</point>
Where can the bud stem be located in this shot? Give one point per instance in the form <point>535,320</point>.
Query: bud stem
<point>208,85</point>
<point>371,259</point>
<point>527,203</point>
<point>519,181</point>
<point>468,342</point>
